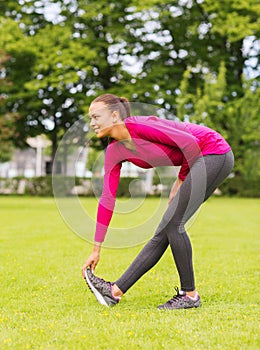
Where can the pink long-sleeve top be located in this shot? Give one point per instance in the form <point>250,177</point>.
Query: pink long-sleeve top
<point>158,142</point>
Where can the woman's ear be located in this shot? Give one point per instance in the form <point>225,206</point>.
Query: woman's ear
<point>116,117</point>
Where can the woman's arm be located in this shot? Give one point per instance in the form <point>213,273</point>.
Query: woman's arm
<point>93,259</point>
<point>107,200</point>
<point>175,188</point>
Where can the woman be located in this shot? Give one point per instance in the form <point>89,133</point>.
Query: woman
<point>206,160</point>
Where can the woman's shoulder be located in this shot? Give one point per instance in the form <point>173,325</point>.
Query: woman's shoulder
<point>152,121</point>
<point>140,119</point>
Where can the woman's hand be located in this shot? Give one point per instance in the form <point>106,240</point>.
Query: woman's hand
<point>175,188</point>
<point>92,260</point>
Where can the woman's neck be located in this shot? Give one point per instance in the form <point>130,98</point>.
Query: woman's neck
<point>120,133</point>
<point>116,131</point>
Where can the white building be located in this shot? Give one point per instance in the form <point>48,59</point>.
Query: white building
<point>23,163</point>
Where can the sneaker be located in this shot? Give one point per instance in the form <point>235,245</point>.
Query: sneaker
<point>101,289</point>
<point>181,301</point>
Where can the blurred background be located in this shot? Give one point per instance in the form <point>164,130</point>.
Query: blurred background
<point>195,60</point>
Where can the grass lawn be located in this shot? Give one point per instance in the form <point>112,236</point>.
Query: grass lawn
<point>45,303</point>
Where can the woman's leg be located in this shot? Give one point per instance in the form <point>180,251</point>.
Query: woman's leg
<point>145,260</point>
<point>205,175</point>
<point>192,194</point>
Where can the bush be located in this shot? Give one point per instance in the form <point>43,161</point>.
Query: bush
<point>63,185</point>
<point>128,186</point>
<point>38,186</point>
<point>131,187</point>
<point>241,187</point>
<point>67,186</point>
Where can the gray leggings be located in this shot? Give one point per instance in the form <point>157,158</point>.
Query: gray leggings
<point>206,174</point>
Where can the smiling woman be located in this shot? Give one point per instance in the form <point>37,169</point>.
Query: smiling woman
<point>108,110</point>
<point>101,118</point>
<point>107,114</point>
<point>206,160</point>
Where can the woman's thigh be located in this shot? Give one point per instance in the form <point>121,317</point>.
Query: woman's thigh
<point>205,175</point>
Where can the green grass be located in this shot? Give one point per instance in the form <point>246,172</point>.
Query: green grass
<point>45,303</point>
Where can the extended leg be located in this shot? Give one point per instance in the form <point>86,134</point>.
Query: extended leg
<point>206,174</point>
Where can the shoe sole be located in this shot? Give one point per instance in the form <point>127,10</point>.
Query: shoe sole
<point>98,295</point>
<point>195,306</point>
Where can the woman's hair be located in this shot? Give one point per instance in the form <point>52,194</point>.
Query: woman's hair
<point>115,103</point>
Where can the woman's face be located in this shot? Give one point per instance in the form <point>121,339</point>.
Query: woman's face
<point>101,118</point>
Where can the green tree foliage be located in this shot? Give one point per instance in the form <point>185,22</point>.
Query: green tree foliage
<point>45,76</point>
<point>7,120</point>
<point>234,19</point>
<point>163,52</point>
<point>6,134</point>
<point>237,120</point>
<point>17,70</point>
<point>242,118</point>
<point>105,27</point>
<point>197,35</point>
<point>56,68</point>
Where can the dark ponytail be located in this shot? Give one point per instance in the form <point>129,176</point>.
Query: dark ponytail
<point>126,105</point>
<point>115,103</point>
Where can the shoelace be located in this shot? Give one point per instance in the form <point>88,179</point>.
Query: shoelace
<point>176,297</point>
<point>101,283</point>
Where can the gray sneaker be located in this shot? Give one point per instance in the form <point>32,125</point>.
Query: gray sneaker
<point>181,301</point>
<point>101,289</point>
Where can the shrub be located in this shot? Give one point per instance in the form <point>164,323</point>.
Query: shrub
<point>128,186</point>
<point>241,187</point>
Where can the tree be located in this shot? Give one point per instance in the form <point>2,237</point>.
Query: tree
<point>57,82</point>
<point>237,120</point>
<point>104,27</point>
<point>235,21</point>
<point>43,91</point>
<point>177,35</point>
<point>6,133</point>
<point>69,62</point>
<point>243,128</point>
<point>58,65</point>
<point>7,120</point>
<point>16,70</point>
